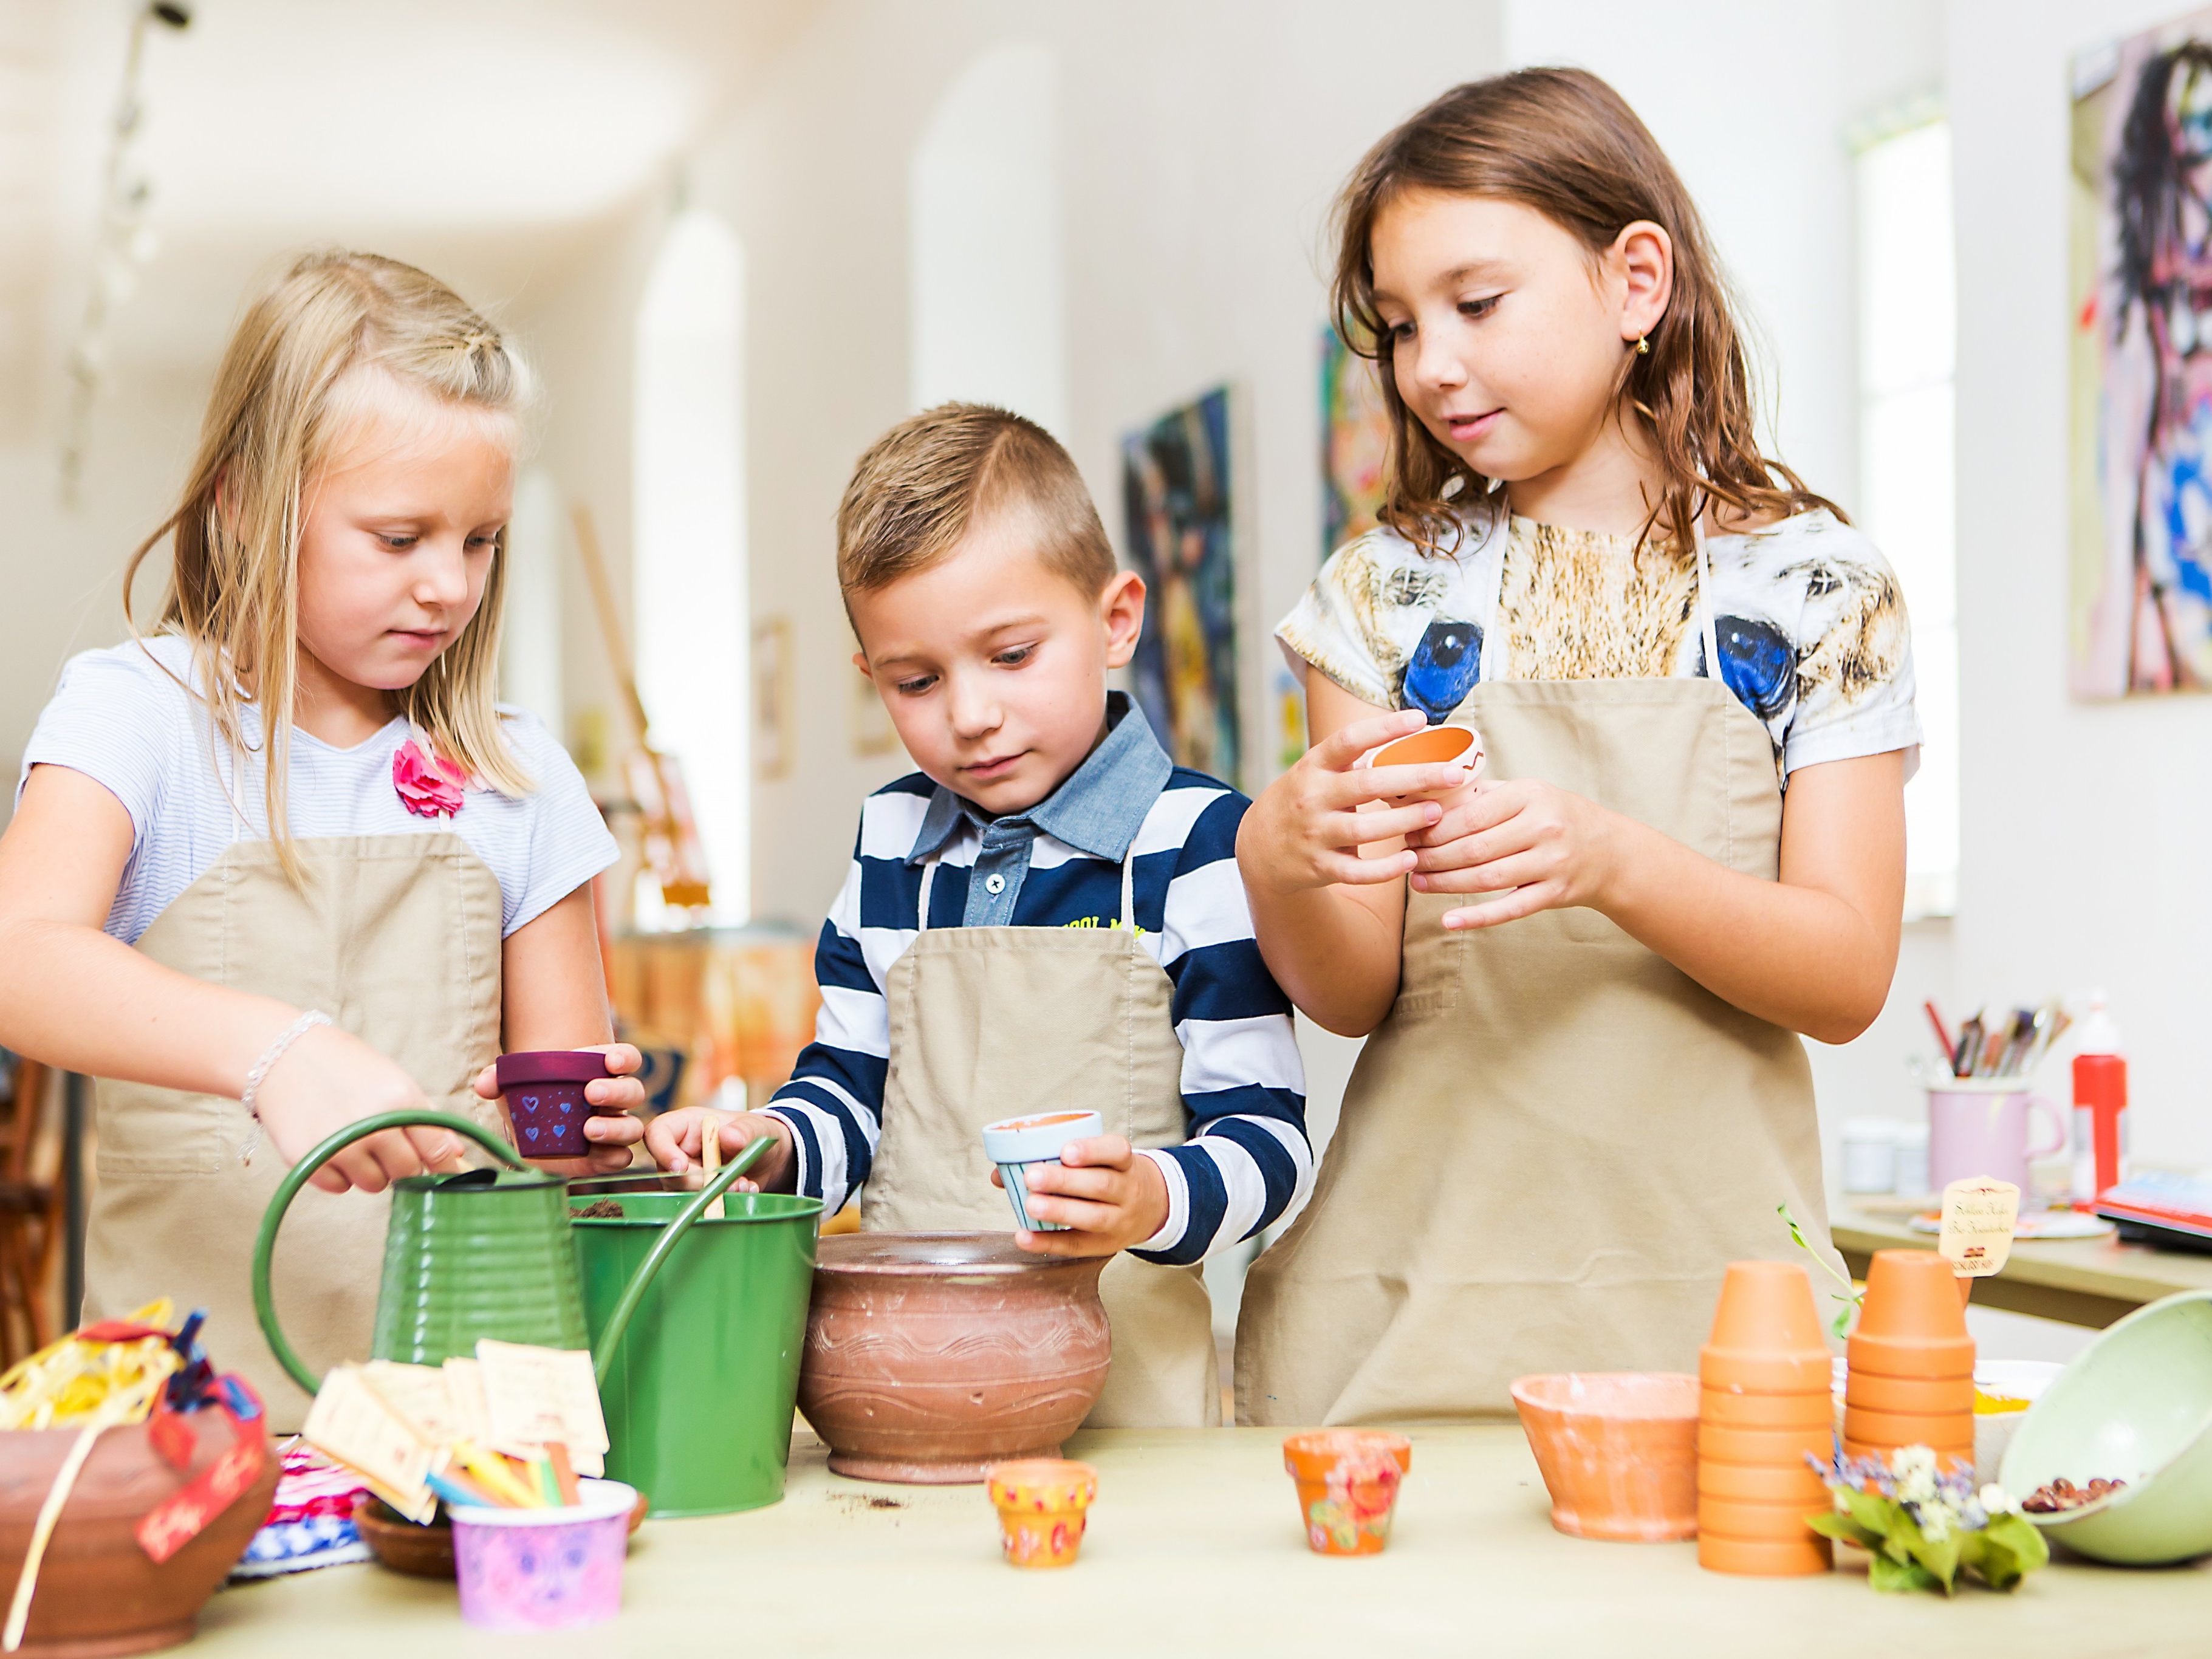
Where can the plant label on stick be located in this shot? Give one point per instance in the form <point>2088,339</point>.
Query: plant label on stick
<point>1980,1214</point>
<point>424,1394</point>
<point>350,1423</point>
<point>471,1417</point>
<point>540,1394</point>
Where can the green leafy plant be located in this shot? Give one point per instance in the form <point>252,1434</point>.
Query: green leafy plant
<point>1924,1527</point>
<point>1850,1296</point>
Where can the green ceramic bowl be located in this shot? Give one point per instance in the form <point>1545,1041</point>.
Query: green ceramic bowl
<point>2135,1406</point>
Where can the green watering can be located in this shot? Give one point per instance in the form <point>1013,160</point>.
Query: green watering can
<point>698,1393</point>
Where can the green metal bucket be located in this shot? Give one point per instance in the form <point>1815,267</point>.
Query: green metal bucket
<point>700,1388</point>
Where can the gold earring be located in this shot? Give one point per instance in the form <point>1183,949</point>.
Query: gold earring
<point>1642,346</point>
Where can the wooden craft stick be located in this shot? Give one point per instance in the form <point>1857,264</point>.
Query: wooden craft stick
<point>710,1163</point>
<point>564,1473</point>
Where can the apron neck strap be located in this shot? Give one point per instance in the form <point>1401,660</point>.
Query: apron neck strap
<point>1128,892</point>
<point>1492,632</point>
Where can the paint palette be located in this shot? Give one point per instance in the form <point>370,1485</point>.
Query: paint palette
<point>1438,745</point>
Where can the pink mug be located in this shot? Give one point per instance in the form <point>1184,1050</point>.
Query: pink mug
<point>1978,1127</point>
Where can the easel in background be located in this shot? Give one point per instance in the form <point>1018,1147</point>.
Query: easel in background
<point>673,851</point>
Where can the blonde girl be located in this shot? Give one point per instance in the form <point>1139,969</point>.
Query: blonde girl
<point>281,864</point>
<point>1584,1091</point>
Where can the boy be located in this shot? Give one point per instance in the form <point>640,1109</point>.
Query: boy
<point>1047,915</point>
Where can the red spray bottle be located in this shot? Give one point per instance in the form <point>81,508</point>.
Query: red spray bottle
<point>2100,1099</point>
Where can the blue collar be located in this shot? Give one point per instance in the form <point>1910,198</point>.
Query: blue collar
<point>1098,807</point>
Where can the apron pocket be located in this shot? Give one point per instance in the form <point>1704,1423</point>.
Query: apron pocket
<point>152,1132</point>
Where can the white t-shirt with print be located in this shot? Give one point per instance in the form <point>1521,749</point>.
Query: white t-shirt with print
<point>1810,624</point>
<point>123,721</point>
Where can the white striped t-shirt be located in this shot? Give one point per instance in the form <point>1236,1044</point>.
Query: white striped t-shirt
<point>123,721</point>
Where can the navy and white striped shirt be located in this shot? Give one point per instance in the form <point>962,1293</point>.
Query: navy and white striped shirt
<point>1243,1088</point>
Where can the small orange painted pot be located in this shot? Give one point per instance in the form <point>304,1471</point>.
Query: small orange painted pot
<point>1042,1503</point>
<point>1742,1410</point>
<point>1949,1459</point>
<point>1730,1517</point>
<point>1944,1431</point>
<point>1870,1391</point>
<point>1348,1482</point>
<point>1719,1443</point>
<point>1743,1483</point>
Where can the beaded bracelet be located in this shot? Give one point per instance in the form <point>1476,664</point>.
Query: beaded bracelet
<point>248,1097</point>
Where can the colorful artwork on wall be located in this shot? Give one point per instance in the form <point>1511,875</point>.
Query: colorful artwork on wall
<point>2141,613</point>
<point>1355,443</point>
<point>1175,492</point>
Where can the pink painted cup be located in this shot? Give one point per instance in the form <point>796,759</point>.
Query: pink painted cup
<point>550,1569</point>
<point>1978,1127</point>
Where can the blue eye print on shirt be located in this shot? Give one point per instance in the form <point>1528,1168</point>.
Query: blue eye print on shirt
<point>1757,664</point>
<point>1442,669</point>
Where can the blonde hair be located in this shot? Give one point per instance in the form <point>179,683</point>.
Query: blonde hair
<point>282,402</point>
<point>918,487</point>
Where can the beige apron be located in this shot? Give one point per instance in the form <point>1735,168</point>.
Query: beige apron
<point>396,938</point>
<point>990,1023</point>
<point>1557,1140</point>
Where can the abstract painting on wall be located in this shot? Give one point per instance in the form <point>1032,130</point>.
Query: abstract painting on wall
<point>2141,613</point>
<point>1176,491</point>
<point>1355,443</point>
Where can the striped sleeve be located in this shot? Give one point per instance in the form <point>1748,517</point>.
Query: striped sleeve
<point>834,1102</point>
<point>1243,1087</point>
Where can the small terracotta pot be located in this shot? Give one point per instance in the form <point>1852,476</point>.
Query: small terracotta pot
<point>1913,1323</point>
<point>1347,1481</point>
<point>1744,1483</point>
<point>1945,1430</point>
<point>426,1552</point>
<point>1730,1517</point>
<point>1041,1504</point>
<point>1948,1461</point>
<point>1870,1391</point>
<point>1618,1451</point>
<point>1765,1557</point>
<point>1738,1409</point>
<point>1718,1443</point>
<point>1766,1332</point>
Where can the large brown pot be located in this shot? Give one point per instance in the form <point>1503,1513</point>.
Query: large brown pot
<point>932,1356</point>
<point>98,1592</point>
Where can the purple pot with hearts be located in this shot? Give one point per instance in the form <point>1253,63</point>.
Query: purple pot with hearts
<point>544,1093</point>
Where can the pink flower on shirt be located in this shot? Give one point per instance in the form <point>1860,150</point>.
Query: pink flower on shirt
<point>429,785</point>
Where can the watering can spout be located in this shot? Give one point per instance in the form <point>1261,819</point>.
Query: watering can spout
<point>517,1282</point>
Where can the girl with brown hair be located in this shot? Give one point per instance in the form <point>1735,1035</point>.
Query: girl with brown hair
<point>1585,975</point>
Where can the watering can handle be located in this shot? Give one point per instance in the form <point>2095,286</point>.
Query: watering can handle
<point>264,1247</point>
<point>611,1335</point>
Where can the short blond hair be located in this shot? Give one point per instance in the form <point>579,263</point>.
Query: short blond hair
<point>920,487</point>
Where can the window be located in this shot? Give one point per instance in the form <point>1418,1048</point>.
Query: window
<point>1907,495</point>
<point>984,242</point>
<point>689,569</point>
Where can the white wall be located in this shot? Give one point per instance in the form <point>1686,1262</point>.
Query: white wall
<point>2084,829</point>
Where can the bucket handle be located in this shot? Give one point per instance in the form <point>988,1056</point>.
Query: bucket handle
<point>634,1292</point>
<point>264,1247</point>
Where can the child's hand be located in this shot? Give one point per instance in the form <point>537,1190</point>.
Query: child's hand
<point>677,1141</point>
<point>612,1136</point>
<point>1108,1195</point>
<point>330,1078</point>
<point>1553,849</point>
<point>1306,829</point>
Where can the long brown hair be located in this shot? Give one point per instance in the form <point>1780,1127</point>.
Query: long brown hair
<point>1563,142</point>
<point>282,400</point>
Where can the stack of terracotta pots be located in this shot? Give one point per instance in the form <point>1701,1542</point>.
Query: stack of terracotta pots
<point>1765,1402</point>
<point>1911,1377</point>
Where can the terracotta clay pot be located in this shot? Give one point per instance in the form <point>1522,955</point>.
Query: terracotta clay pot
<point>1348,1482</point>
<point>1869,1391</point>
<point>1041,1504</point>
<point>1912,1323</point>
<point>1618,1451</point>
<point>1747,1483</point>
<point>98,1593</point>
<point>1944,1431</point>
<point>1765,1557</point>
<point>1751,1518</point>
<point>1719,1443</point>
<point>1738,1408</point>
<point>400,1545</point>
<point>930,1356</point>
<point>1766,1333</point>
